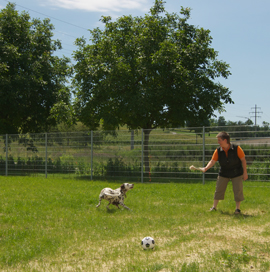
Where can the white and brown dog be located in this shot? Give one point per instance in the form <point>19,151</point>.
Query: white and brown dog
<point>115,197</point>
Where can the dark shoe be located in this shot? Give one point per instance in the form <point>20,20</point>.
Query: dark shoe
<point>237,211</point>
<point>212,209</point>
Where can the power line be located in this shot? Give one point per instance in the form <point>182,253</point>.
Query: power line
<point>65,34</point>
<point>49,16</point>
<point>244,117</point>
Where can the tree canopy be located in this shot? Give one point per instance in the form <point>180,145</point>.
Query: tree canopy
<point>32,79</point>
<point>148,72</point>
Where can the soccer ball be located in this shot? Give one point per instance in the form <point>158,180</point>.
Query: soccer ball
<point>148,242</point>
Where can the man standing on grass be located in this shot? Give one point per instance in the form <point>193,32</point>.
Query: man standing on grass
<point>233,167</point>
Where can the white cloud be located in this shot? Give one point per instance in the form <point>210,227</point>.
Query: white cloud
<point>102,5</point>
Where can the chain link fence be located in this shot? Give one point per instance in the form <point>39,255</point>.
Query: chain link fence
<point>129,155</point>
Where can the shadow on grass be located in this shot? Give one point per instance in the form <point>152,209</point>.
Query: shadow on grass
<point>240,215</point>
<point>112,210</point>
<point>105,210</point>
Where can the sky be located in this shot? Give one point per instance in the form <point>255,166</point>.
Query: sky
<point>239,28</point>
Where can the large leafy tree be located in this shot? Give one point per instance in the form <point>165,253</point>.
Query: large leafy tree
<point>32,79</point>
<point>148,72</point>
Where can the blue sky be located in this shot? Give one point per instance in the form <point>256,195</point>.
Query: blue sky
<point>239,28</point>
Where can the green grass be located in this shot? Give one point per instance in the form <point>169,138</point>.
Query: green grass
<point>53,225</point>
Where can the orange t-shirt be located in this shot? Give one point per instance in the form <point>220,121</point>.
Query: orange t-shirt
<point>240,153</point>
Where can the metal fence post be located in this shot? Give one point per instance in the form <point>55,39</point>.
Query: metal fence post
<point>203,153</point>
<point>46,155</point>
<point>91,154</point>
<point>6,154</point>
<point>142,159</point>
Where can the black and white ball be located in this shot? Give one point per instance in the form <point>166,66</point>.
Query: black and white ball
<point>148,242</point>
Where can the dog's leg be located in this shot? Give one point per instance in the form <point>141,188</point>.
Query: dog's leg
<point>123,205</point>
<point>98,203</point>
<point>108,205</point>
<point>100,198</point>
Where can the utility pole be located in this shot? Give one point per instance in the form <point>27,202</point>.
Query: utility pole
<point>256,112</point>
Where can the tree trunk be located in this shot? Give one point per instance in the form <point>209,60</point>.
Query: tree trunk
<point>146,151</point>
<point>132,140</point>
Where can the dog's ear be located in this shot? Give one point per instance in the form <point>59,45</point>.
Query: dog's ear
<point>123,186</point>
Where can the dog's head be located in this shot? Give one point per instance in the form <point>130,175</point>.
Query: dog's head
<point>126,186</point>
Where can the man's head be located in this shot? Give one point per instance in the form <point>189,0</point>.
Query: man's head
<point>224,136</point>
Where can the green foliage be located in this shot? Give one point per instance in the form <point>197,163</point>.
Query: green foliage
<point>258,169</point>
<point>148,72</point>
<point>118,168</point>
<point>32,79</point>
<point>2,163</point>
<point>127,163</point>
<point>36,164</point>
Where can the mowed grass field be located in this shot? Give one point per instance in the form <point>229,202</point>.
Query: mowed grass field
<point>53,225</point>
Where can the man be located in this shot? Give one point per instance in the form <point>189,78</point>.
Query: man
<point>233,167</point>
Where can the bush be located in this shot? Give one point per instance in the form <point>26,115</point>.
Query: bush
<point>119,168</point>
<point>258,170</point>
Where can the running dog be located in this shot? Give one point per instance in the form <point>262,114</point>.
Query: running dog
<point>115,197</point>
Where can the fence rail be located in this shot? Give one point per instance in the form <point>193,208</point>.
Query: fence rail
<point>125,154</point>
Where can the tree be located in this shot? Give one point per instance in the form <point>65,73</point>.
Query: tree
<point>249,122</point>
<point>265,125</point>
<point>32,79</point>
<point>221,121</point>
<point>148,72</point>
<point>213,122</point>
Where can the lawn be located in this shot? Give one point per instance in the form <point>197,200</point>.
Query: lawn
<point>53,225</point>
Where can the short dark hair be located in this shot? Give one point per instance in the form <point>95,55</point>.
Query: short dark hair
<point>224,135</point>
